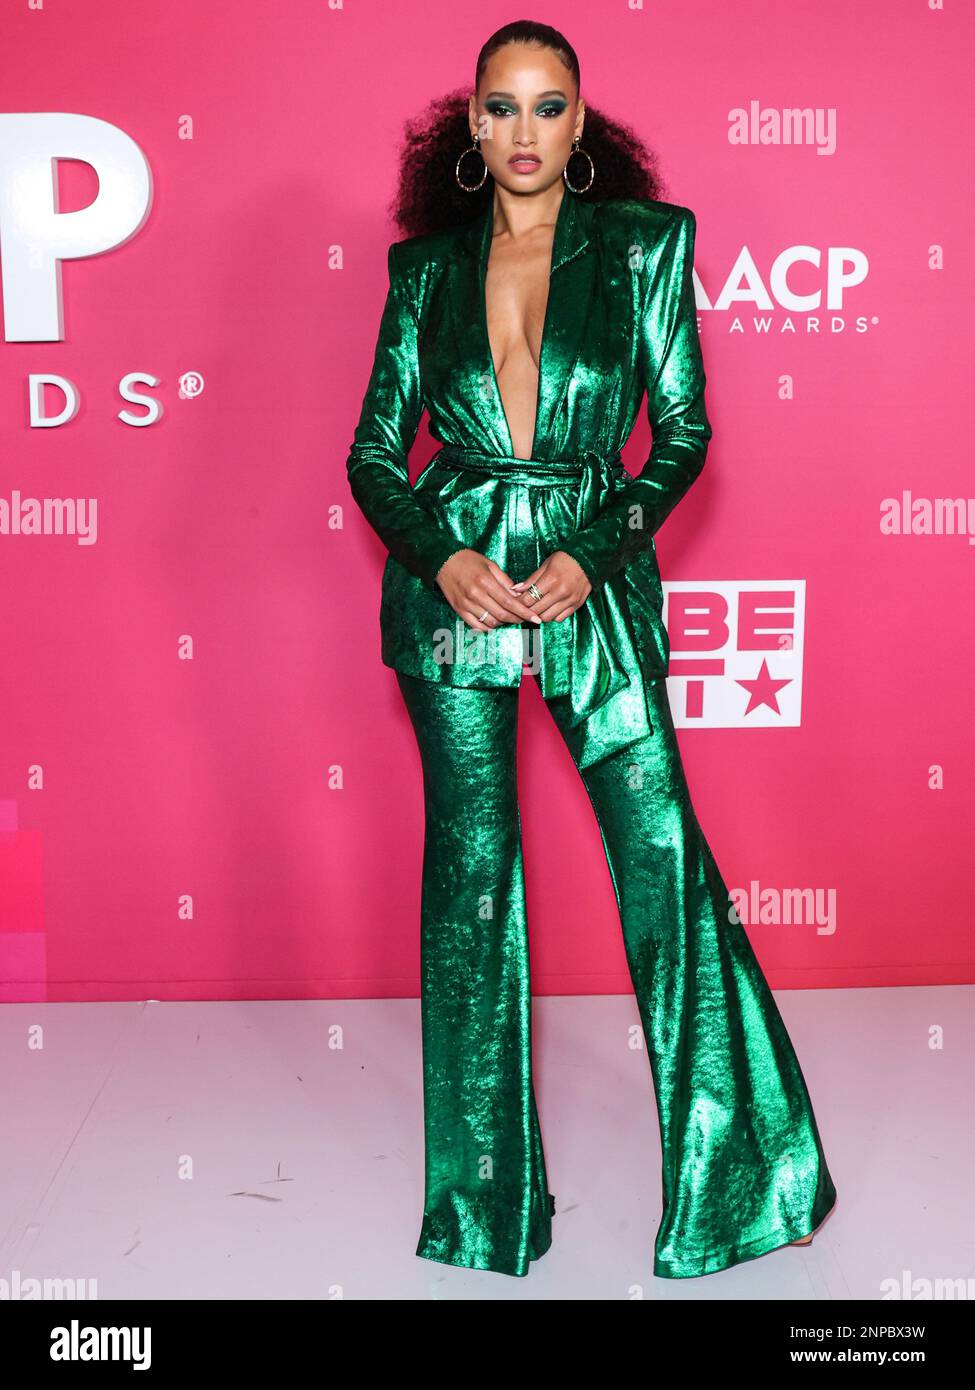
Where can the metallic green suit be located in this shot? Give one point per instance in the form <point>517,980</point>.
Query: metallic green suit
<point>743,1166</point>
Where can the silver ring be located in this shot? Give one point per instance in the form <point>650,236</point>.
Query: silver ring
<point>483,616</point>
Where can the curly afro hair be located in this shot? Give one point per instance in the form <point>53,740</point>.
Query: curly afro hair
<point>428,198</point>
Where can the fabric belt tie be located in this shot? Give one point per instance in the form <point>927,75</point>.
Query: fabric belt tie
<point>540,472</point>
<point>591,659</point>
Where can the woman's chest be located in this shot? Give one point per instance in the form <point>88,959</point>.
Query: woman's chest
<point>582,330</point>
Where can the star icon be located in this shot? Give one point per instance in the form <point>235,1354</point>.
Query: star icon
<point>763,689</point>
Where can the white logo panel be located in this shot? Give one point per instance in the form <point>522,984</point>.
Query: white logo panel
<point>735,652</point>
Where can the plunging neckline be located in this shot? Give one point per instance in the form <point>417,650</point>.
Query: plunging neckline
<point>489,237</point>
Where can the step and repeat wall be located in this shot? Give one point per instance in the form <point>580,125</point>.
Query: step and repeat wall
<point>209,787</point>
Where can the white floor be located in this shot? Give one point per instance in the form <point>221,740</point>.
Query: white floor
<point>275,1150</point>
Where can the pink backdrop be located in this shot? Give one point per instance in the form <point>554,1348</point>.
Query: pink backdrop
<point>268,773</point>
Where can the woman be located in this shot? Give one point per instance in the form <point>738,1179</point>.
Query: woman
<point>529,330</point>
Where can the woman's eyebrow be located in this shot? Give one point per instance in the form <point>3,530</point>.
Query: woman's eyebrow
<point>556,92</point>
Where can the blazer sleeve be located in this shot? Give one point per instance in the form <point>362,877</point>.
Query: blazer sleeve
<point>377,465</point>
<point>673,372</point>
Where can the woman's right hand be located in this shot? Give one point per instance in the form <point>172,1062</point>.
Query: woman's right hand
<point>479,591</point>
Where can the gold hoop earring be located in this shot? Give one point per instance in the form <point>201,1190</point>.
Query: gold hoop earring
<point>577,149</point>
<point>475,148</point>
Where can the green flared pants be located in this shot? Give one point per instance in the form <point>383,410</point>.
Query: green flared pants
<point>743,1165</point>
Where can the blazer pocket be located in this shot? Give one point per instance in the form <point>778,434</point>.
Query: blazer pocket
<point>645,599</point>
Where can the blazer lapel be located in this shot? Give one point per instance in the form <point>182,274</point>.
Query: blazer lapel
<point>571,285</point>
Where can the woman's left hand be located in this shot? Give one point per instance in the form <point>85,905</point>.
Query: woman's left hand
<point>562,583</point>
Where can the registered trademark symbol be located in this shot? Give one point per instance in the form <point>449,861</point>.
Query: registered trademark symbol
<point>190,385</point>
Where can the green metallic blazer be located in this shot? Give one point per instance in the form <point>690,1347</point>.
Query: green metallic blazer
<point>620,321</point>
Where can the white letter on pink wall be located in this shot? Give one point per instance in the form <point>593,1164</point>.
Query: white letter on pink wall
<point>34,237</point>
